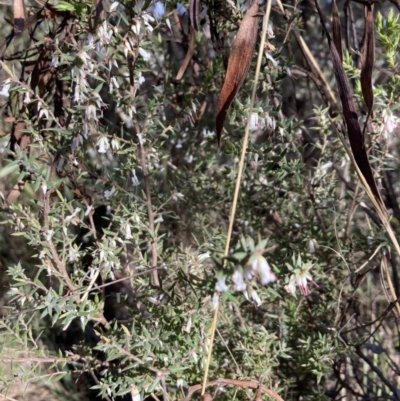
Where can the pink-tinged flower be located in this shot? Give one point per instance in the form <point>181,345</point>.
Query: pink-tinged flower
<point>299,279</point>
<point>260,266</point>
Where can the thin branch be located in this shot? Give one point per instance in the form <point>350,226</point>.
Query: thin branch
<point>152,241</point>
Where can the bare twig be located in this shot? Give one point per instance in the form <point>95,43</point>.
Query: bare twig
<point>152,241</point>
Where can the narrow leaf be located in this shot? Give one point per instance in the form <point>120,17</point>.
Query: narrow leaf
<point>19,17</point>
<point>350,114</point>
<point>189,54</point>
<point>238,64</point>
<point>194,10</point>
<point>336,30</point>
<point>367,59</point>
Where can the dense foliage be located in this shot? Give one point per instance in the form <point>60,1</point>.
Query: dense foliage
<point>115,204</point>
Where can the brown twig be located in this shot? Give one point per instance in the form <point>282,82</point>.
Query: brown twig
<point>152,241</point>
<point>60,265</point>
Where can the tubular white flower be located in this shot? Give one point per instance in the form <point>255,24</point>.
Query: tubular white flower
<point>110,193</point>
<point>135,180</point>
<point>255,297</point>
<point>27,98</point>
<point>238,279</point>
<point>260,265</point>
<point>103,145</point>
<point>128,232</point>
<point>291,287</point>
<point>300,279</point>
<point>221,285</point>
<point>114,6</point>
<point>5,90</point>
<point>135,393</point>
<point>146,55</point>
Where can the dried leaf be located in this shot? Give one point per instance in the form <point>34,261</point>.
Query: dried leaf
<point>238,64</point>
<point>194,10</point>
<point>367,59</point>
<point>336,30</point>
<point>350,114</point>
<point>189,54</point>
<point>19,17</point>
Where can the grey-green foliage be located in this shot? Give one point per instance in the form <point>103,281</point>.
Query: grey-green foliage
<point>130,136</point>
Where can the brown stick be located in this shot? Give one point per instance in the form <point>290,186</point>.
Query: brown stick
<point>153,244</point>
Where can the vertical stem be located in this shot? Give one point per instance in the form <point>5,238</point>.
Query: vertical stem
<point>238,181</point>
<point>152,242</point>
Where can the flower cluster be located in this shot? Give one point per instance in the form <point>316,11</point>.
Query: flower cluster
<point>299,279</point>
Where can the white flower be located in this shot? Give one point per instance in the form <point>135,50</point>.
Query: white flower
<point>238,279</point>
<point>291,287</point>
<point>146,55</point>
<point>203,256</point>
<point>159,219</point>
<point>27,98</point>
<point>270,31</point>
<point>49,235</point>
<point>390,122</point>
<point>135,180</point>
<point>44,112</point>
<point>88,210</point>
<point>103,144</point>
<point>189,325</point>
<point>140,139</point>
<point>253,125</point>
<point>113,83</point>
<point>141,79</point>
<point>114,144</point>
<point>91,112</point>
<point>260,265</point>
<point>104,33</point>
<point>299,278</point>
<point>55,61</point>
<point>44,187</point>
<point>179,383</point>
<point>114,6</point>
<point>221,285</point>
<point>90,40</point>
<point>74,213</point>
<point>110,193</point>
<point>5,91</point>
<point>77,94</point>
<point>270,58</point>
<point>255,297</point>
<point>181,9</point>
<point>135,393</point>
<point>159,10</point>
<point>311,245</point>
<point>73,254</point>
<point>128,233</point>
